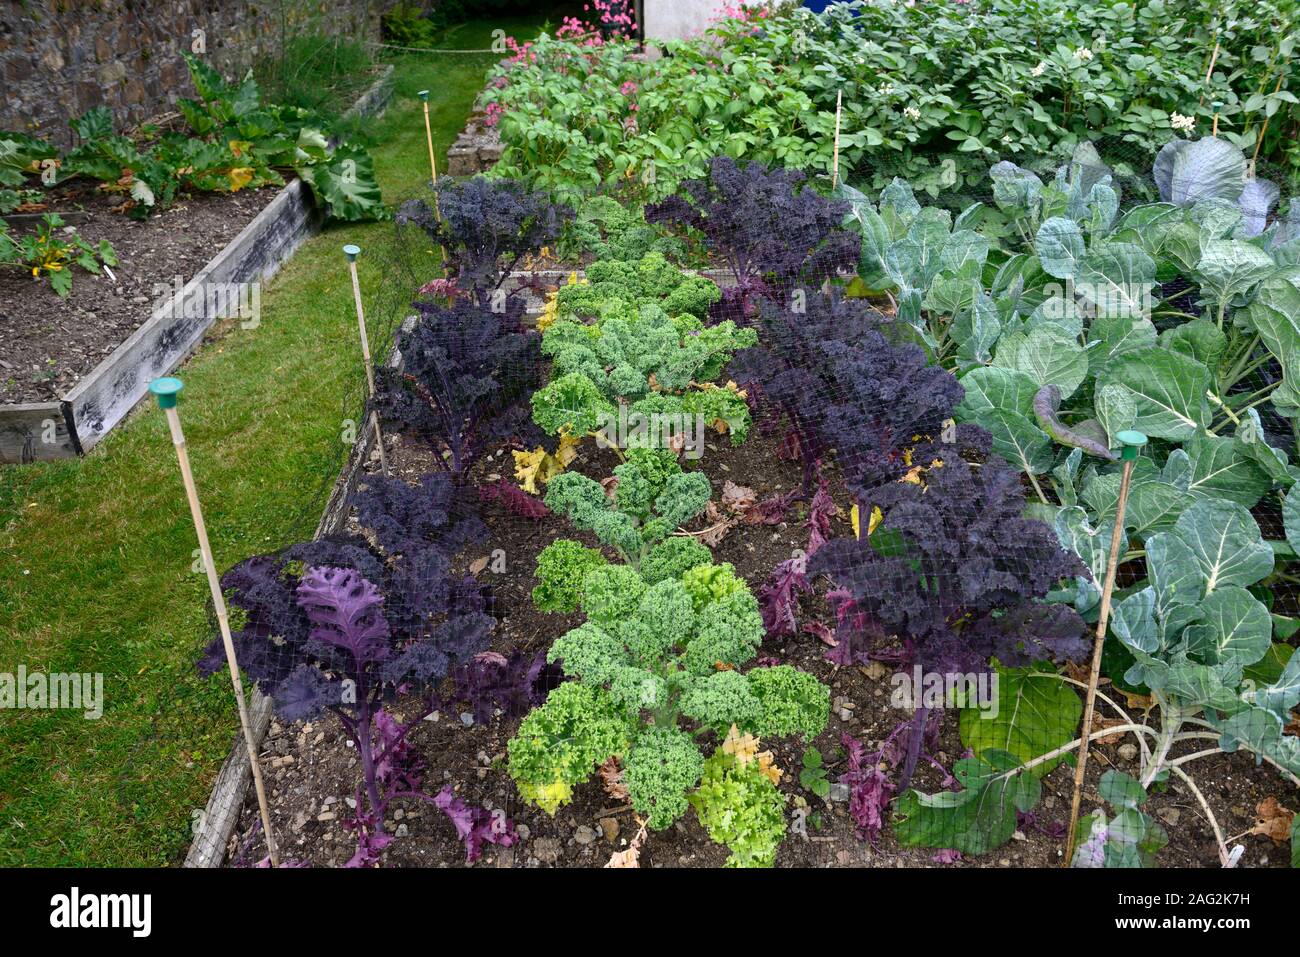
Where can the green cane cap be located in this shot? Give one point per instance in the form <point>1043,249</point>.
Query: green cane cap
<point>1133,442</point>
<point>352,252</point>
<point>424,95</point>
<point>166,389</point>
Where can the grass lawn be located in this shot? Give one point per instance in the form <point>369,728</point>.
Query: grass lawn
<point>98,565</point>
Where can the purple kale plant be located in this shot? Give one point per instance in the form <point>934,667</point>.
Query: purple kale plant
<point>791,372</point>
<point>954,573</point>
<point>513,684</point>
<point>772,232</point>
<point>486,226</point>
<point>339,625</point>
<point>475,826</point>
<point>467,377</point>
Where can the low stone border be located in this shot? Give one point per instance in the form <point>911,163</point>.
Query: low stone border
<point>43,431</point>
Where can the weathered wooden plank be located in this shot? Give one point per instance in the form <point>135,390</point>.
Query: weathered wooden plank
<point>103,397</point>
<point>35,431</point>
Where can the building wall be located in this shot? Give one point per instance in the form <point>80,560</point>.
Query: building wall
<point>59,58</point>
<point>679,19</point>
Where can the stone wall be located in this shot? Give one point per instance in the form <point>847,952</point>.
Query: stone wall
<point>59,58</point>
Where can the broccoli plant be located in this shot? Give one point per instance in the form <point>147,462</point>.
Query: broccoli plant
<point>652,496</point>
<point>770,230</point>
<point>466,376</point>
<point>955,572</point>
<point>486,226</point>
<point>656,665</point>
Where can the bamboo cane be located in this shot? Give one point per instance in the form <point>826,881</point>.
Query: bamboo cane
<point>352,252</point>
<point>433,162</point>
<point>165,389</point>
<point>1133,442</point>
<point>835,160</point>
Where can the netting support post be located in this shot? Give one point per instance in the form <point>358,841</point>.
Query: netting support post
<point>433,162</point>
<point>835,156</point>
<point>165,390</point>
<point>1132,442</point>
<point>352,252</point>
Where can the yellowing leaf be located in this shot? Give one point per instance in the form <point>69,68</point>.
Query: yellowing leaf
<point>542,466</point>
<point>876,518</point>
<point>743,746</point>
<point>240,176</point>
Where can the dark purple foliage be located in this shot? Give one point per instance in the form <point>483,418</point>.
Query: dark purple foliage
<point>486,226</point>
<point>955,571</point>
<point>770,230</point>
<point>467,376</point>
<point>475,826</point>
<point>881,398</point>
<point>870,789</point>
<point>407,519</point>
<point>335,624</point>
<point>516,684</point>
<point>779,597</point>
<point>792,371</point>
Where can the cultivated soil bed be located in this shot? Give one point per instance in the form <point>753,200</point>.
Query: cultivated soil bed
<point>48,344</point>
<point>312,770</point>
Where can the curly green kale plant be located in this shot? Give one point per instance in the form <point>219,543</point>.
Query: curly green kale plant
<point>630,346</point>
<point>740,806</point>
<point>653,496</point>
<point>656,666</point>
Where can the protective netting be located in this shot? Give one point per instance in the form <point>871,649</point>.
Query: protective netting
<point>953,383</point>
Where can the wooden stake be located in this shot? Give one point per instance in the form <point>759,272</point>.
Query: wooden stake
<point>1263,129</point>
<point>433,163</point>
<point>165,390</point>
<point>1210,72</point>
<point>1133,441</point>
<point>835,159</point>
<point>352,252</point>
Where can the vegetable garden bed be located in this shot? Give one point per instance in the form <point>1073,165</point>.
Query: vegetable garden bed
<point>311,766</point>
<point>828,518</point>
<point>79,362</point>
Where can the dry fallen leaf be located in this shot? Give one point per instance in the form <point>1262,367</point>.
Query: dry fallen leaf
<point>611,778</point>
<point>632,856</point>
<point>743,746</point>
<point>875,670</point>
<point>738,498</point>
<point>1273,820</point>
<point>478,564</point>
<point>1100,724</point>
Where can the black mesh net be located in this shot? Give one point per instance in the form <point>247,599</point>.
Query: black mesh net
<point>874,443</point>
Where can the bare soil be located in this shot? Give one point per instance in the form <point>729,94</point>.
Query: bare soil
<point>313,770</point>
<point>47,344</point>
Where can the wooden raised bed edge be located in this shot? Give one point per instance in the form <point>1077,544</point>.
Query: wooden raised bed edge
<point>73,426</point>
